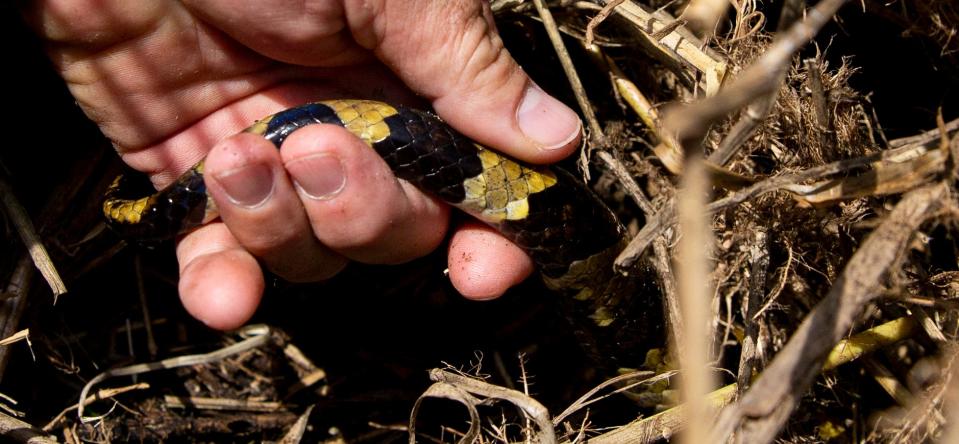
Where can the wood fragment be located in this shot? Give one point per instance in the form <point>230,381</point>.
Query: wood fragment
<point>759,264</point>
<point>28,234</point>
<point>599,18</point>
<point>17,431</point>
<point>11,307</point>
<point>100,394</point>
<point>692,271</point>
<point>295,434</point>
<point>667,150</point>
<point>820,102</point>
<point>896,178</point>
<point>206,403</point>
<point>679,46</point>
<point>596,131</point>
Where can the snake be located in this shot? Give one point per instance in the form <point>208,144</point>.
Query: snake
<point>571,235</point>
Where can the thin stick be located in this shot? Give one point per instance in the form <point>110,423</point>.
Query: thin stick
<point>666,217</point>
<point>12,307</point>
<point>661,262</point>
<point>820,103</point>
<point>599,18</point>
<point>692,271</point>
<point>28,234</point>
<point>759,259</point>
<point>596,132</point>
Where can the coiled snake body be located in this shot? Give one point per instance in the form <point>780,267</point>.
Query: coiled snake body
<point>570,234</point>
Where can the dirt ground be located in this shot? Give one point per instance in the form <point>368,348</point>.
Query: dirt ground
<point>822,224</point>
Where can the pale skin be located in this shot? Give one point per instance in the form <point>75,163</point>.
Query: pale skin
<point>170,82</point>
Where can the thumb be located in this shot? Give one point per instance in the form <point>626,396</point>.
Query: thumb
<point>449,52</point>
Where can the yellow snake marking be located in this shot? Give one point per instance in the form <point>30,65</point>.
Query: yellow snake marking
<point>260,126</point>
<point>363,118</point>
<point>127,212</point>
<point>581,278</point>
<point>500,192</point>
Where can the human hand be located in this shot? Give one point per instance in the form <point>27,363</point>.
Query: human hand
<point>167,80</point>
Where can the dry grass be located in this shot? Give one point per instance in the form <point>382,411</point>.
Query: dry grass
<point>772,277</point>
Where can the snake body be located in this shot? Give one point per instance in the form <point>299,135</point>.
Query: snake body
<point>569,233</point>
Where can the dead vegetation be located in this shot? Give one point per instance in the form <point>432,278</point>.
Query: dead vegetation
<point>799,221</point>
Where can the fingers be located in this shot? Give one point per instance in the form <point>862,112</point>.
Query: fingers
<point>325,199</point>
<point>461,65</point>
<point>483,264</point>
<point>365,213</point>
<point>220,282</point>
<point>246,178</point>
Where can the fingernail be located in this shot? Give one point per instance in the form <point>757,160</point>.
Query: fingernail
<point>320,176</point>
<point>247,186</point>
<point>546,120</point>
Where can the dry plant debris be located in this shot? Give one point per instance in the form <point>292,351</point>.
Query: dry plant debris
<point>805,249</point>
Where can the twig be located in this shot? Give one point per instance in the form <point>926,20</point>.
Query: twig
<point>599,18</point>
<point>679,47</point>
<point>258,335</point>
<point>205,403</point>
<point>629,184</point>
<point>21,220</point>
<point>779,287</point>
<point>662,425</point>
<point>556,39</point>
<point>692,273</point>
<point>295,434</point>
<point>926,137</point>
<point>820,104</point>
<point>307,371</point>
<point>667,150</point>
<point>666,217</point>
<point>661,262</point>
<point>759,264</point>
<point>15,430</point>
<point>15,302</point>
<point>100,394</point>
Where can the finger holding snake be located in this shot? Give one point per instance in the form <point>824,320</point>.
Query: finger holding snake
<point>167,80</point>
